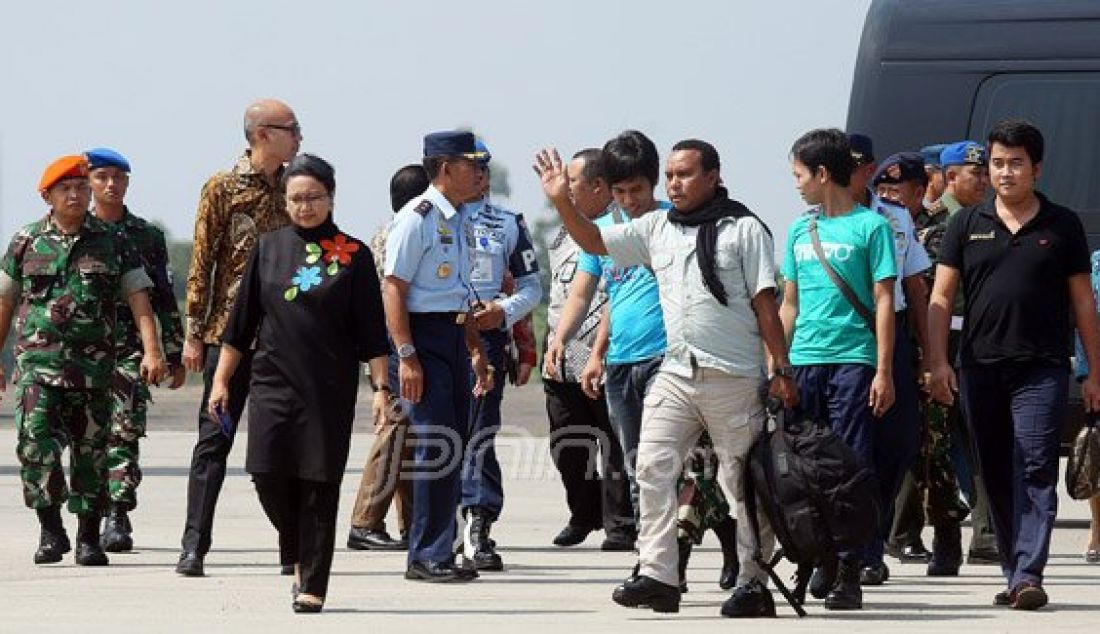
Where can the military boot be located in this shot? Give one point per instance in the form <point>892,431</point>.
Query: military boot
<point>726,531</point>
<point>846,593</point>
<point>477,545</point>
<point>88,550</point>
<point>946,551</point>
<point>117,531</point>
<point>685,554</point>
<point>53,542</point>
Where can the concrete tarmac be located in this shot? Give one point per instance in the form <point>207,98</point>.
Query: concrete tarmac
<point>543,589</point>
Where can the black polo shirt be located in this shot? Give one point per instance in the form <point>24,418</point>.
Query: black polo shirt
<point>1017,294</point>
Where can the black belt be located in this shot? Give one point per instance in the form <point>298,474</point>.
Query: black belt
<point>455,317</point>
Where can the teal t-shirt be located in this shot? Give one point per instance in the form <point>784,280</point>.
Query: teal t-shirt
<point>634,299</point>
<point>860,247</point>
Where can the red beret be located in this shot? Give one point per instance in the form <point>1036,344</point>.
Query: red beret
<point>70,166</point>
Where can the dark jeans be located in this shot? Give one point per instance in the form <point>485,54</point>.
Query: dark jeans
<point>580,439</point>
<point>204,483</point>
<point>837,394</point>
<point>1014,410</point>
<point>626,386</point>
<point>482,483</point>
<point>304,513</point>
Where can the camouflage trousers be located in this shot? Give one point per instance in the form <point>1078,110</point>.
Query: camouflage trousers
<point>130,399</point>
<point>702,503</point>
<point>49,419</point>
<point>935,473</point>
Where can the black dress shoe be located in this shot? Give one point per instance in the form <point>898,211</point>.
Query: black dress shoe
<point>571,535</point>
<point>617,543</point>
<point>1004,597</point>
<point>643,591</point>
<point>190,564</point>
<point>823,579</point>
<point>436,572</point>
<point>874,575</point>
<point>1029,596</point>
<point>286,570</point>
<point>749,600</point>
<point>367,539</point>
<point>90,554</point>
<point>911,553</point>
<point>52,546</point>
<point>846,594</point>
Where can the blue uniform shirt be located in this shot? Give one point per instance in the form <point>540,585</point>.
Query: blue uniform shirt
<point>502,243</point>
<point>430,246</point>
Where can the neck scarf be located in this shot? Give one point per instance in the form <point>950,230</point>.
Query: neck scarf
<point>706,218</point>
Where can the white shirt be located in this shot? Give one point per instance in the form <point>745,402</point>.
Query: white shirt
<point>911,258</point>
<point>701,331</point>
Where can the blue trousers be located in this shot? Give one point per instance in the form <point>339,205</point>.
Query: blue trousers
<point>1014,411</point>
<point>896,436</point>
<point>439,423</point>
<point>482,484</point>
<point>838,394</point>
<point>626,387</point>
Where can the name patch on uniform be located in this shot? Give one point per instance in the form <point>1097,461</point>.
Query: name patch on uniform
<point>423,208</point>
<point>983,236</point>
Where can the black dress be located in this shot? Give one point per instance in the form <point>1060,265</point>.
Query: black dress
<point>310,299</point>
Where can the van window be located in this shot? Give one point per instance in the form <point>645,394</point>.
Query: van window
<point>1065,106</point>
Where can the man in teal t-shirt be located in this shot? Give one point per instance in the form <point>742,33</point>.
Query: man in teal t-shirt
<point>842,363</point>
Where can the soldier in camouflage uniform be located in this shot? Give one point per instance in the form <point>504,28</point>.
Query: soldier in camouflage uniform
<point>130,397</point>
<point>703,507</point>
<point>935,477</point>
<point>65,274</point>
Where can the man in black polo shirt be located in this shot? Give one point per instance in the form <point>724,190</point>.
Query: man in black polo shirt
<point>1024,264</point>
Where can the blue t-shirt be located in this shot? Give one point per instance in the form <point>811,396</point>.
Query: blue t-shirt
<point>634,300</point>
<point>860,247</point>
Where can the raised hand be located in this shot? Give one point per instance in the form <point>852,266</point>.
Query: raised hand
<point>551,171</point>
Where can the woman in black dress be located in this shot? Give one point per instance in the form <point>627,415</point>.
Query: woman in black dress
<point>310,300</point>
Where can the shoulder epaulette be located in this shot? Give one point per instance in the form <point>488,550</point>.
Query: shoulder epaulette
<point>424,207</point>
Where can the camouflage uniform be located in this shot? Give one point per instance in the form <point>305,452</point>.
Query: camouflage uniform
<point>935,473</point>
<point>702,503</point>
<point>66,289</point>
<point>130,395</point>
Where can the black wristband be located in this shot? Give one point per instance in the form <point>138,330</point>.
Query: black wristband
<point>382,388</point>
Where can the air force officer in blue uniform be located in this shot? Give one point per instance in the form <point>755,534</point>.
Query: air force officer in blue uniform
<point>427,295</point>
<point>502,246</point>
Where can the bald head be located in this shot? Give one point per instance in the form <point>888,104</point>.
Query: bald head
<point>265,112</point>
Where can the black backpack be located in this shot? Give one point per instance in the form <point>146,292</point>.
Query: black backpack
<point>818,498</point>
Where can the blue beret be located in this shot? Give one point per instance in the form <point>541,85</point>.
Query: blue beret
<point>483,149</point>
<point>899,168</point>
<point>863,150</point>
<point>931,154</point>
<point>106,157</point>
<point>964,153</point>
<point>451,143</point>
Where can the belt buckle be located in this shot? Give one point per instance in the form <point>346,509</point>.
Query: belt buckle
<point>460,319</point>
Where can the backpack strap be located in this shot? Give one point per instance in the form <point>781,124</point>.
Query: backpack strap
<point>845,289</point>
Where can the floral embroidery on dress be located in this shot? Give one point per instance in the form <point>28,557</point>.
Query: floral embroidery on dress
<point>337,252</point>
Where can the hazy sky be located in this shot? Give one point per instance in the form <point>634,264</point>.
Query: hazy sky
<point>167,83</point>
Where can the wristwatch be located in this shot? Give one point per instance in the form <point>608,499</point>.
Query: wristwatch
<point>784,371</point>
<point>406,350</point>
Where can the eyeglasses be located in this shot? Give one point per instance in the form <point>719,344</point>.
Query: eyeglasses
<point>293,128</point>
<point>304,201</point>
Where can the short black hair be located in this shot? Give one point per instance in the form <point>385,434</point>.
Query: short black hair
<point>707,153</point>
<point>828,148</point>
<point>432,165</point>
<point>407,183</point>
<point>312,166</point>
<point>591,157</point>
<point>629,155</point>
<point>1018,133</point>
